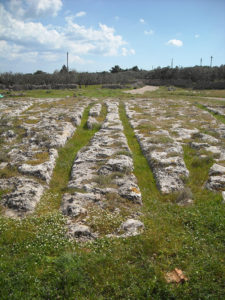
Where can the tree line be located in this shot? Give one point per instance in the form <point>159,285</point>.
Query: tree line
<point>198,77</point>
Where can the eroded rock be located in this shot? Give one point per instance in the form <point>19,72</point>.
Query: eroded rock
<point>42,171</point>
<point>216,179</point>
<point>103,171</point>
<point>24,196</point>
<point>132,227</point>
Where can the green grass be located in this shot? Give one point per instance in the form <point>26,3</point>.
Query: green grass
<point>181,93</point>
<point>97,91</point>
<point>38,262</point>
<point>89,91</point>
<point>142,171</point>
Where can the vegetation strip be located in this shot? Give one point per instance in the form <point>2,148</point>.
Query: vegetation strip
<point>198,167</point>
<point>142,171</point>
<point>51,199</point>
<point>217,116</point>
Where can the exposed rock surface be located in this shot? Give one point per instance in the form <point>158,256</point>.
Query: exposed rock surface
<point>164,154</point>
<point>132,227</point>
<point>93,113</point>
<point>80,232</point>
<point>42,171</point>
<point>163,127</point>
<point>33,130</point>
<point>223,196</point>
<point>103,170</point>
<point>95,110</point>
<point>217,109</point>
<point>96,159</point>
<point>24,195</point>
<point>216,179</point>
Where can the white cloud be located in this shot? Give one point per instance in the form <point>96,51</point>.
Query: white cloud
<point>11,51</point>
<point>80,14</point>
<point>149,32</point>
<point>142,21</point>
<point>77,59</point>
<point>126,52</point>
<point>16,7</point>
<point>177,43</point>
<point>197,36</point>
<point>21,39</point>
<point>34,8</point>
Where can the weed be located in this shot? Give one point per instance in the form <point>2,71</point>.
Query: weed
<point>123,152</point>
<point>8,172</point>
<point>201,161</point>
<point>31,121</point>
<point>39,158</point>
<point>3,156</point>
<point>161,140</point>
<point>184,195</point>
<point>103,221</point>
<point>104,180</point>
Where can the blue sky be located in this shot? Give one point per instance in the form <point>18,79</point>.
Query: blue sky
<point>98,34</point>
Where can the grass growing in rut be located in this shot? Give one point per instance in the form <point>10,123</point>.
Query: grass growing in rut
<point>51,199</point>
<point>217,116</point>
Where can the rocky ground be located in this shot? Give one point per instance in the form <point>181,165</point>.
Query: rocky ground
<point>217,109</point>
<point>102,186</point>
<point>164,127</point>
<point>30,134</point>
<point>103,180</point>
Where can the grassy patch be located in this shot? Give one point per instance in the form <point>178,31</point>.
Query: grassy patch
<point>31,121</point>
<point>38,158</point>
<point>199,171</point>
<point>8,172</point>
<point>103,221</point>
<point>97,92</point>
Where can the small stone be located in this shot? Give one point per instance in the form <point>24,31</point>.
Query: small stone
<point>217,170</point>
<point>3,165</point>
<point>132,227</point>
<point>79,231</point>
<point>10,134</point>
<point>91,122</point>
<point>223,196</point>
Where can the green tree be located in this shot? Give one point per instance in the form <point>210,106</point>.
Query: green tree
<point>116,69</point>
<point>64,69</point>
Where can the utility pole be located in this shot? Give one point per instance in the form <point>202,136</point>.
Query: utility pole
<point>172,63</point>
<point>211,58</point>
<point>67,59</point>
<point>201,62</point>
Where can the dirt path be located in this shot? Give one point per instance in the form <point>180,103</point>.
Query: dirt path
<point>147,88</point>
<point>214,98</point>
